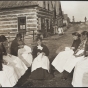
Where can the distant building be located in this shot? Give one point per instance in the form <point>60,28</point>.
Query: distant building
<point>66,19</point>
<point>29,15</point>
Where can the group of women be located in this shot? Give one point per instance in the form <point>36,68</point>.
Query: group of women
<point>75,58</point>
<point>21,57</point>
<point>11,66</point>
<point>16,61</point>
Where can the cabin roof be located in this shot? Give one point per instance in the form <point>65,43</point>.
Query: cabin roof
<point>13,4</point>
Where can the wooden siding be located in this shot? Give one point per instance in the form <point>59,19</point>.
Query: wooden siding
<point>9,19</point>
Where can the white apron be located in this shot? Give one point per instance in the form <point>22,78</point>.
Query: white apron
<point>8,77</point>
<point>61,59</point>
<point>41,61</point>
<point>25,55</point>
<point>80,76</point>
<point>17,64</point>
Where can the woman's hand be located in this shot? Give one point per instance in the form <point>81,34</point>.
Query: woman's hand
<point>76,55</point>
<point>43,53</point>
<point>38,53</point>
<point>4,62</point>
<point>9,55</point>
<point>72,48</point>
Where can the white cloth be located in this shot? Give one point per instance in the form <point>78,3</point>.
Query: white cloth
<point>8,77</point>
<point>19,67</point>
<point>80,76</point>
<point>61,59</point>
<point>40,47</point>
<point>60,31</point>
<point>25,55</point>
<point>40,61</point>
<point>72,61</point>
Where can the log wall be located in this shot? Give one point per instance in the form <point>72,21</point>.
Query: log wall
<point>9,19</point>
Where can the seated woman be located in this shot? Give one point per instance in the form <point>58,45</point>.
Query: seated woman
<point>81,69</point>
<point>25,54</point>
<point>8,77</point>
<point>62,57</point>
<point>41,65</point>
<point>13,61</point>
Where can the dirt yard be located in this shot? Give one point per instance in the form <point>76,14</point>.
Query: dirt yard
<point>55,44</point>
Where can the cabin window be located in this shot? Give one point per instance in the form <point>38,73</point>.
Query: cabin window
<point>21,24</point>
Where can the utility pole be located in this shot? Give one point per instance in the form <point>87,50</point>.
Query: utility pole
<point>73,20</point>
<point>85,19</point>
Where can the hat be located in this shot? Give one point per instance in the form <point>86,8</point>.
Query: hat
<point>76,34</point>
<point>38,38</point>
<point>19,35</point>
<point>3,38</point>
<point>84,33</point>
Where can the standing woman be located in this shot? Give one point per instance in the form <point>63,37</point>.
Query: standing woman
<point>15,45</point>
<point>41,65</point>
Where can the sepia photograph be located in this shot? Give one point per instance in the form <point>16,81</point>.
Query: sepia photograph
<point>43,43</point>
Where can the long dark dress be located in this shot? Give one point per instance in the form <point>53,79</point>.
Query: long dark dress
<point>76,43</point>
<point>40,73</point>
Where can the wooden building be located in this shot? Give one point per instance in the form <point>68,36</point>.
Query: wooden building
<point>66,19</point>
<point>28,15</point>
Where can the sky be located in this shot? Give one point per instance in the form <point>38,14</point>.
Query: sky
<point>78,9</point>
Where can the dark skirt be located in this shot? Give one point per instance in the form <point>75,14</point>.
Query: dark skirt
<point>41,74</point>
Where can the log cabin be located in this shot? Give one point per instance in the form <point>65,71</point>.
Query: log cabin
<point>22,16</point>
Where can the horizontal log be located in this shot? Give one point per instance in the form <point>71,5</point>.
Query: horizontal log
<point>8,26</point>
<point>32,25</point>
<point>31,17</point>
<point>10,19</point>
<point>31,21</point>
<point>13,16</point>
<point>44,12</point>
<point>19,10</point>
<point>18,14</point>
<point>8,29</point>
<point>44,16</point>
<point>31,28</point>
<point>9,22</point>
